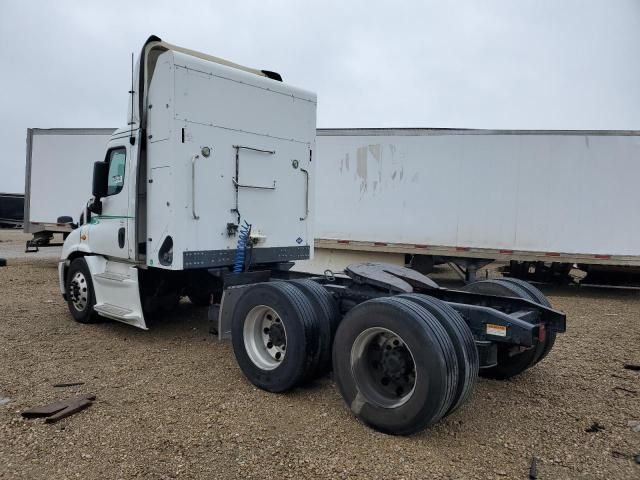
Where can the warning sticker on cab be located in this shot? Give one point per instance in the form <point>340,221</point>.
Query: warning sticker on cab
<point>498,330</point>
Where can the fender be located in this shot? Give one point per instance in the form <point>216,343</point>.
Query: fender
<point>75,242</point>
<point>115,284</point>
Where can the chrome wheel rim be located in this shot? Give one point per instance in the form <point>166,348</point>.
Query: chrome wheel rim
<point>383,367</point>
<point>265,337</point>
<point>78,292</point>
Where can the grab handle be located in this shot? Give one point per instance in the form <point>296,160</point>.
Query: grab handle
<point>193,186</point>
<point>306,196</point>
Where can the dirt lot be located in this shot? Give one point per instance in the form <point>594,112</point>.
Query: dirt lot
<point>171,402</point>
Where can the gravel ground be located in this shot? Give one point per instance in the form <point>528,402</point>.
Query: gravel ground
<point>171,402</point>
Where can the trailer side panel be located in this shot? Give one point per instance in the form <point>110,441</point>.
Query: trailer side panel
<point>540,194</point>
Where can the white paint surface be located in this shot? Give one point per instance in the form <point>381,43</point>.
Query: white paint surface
<point>61,171</point>
<point>220,107</point>
<point>571,193</point>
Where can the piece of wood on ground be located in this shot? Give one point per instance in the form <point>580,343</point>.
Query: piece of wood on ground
<point>61,408</point>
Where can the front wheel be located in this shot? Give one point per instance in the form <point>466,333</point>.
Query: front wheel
<point>81,296</point>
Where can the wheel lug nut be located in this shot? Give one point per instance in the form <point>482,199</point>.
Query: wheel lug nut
<point>269,345</point>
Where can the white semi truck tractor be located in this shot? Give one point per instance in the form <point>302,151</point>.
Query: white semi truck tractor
<point>208,193</point>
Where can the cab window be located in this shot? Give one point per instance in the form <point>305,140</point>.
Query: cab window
<point>117,161</point>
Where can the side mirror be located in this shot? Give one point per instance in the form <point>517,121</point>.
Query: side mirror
<point>100,177</point>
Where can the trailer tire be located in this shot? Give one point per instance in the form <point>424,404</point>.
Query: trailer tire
<point>508,365</point>
<point>81,297</point>
<point>328,316</point>
<point>463,344</point>
<point>540,298</point>
<point>283,357</point>
<point>395,365</point>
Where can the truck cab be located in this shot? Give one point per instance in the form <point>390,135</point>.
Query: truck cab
<point>212,173</point>
<point>112,220</point>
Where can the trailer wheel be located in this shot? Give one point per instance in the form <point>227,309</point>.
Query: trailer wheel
<point>508,365</point>
<point>395,365</point>
<point>463,344</point>
<point>539,297</point>
<point>274,333</point>
<point>328,314</point>
<point>81,296</point>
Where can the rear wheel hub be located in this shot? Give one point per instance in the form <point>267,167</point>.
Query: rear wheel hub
<point>384,367</point>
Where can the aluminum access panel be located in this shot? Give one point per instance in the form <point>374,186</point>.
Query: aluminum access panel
<point>566,192</point>
<point>260,134</point>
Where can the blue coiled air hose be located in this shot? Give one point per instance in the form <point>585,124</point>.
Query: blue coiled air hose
<point>241,251</point>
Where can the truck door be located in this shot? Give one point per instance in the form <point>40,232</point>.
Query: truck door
<point>108,231</point>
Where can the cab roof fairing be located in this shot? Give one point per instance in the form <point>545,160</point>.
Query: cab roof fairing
<point>149,54</point>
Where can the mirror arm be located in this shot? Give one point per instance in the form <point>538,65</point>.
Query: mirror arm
<point>95,206</point>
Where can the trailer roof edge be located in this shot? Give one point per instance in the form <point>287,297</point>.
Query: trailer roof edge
<point>464,131</point>
<point>73,131</point>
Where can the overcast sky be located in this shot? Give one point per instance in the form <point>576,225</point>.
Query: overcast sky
<point>534,64</point>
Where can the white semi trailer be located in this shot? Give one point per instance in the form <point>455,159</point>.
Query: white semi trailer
<point>56,159</point>
<point>422,196</point>
<point>209,192</point>
<point>542,200</point>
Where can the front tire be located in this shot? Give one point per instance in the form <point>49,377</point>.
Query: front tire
<point>81,296</point>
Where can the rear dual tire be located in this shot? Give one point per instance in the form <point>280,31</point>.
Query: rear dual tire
<point>282,333</point>
<point>275,336</point>
<point>397,362</point>
<point>537,296</point>
<point>463,344</point>
<point>328,318</point>
<point>401,363</point>
<point>510,365</point>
